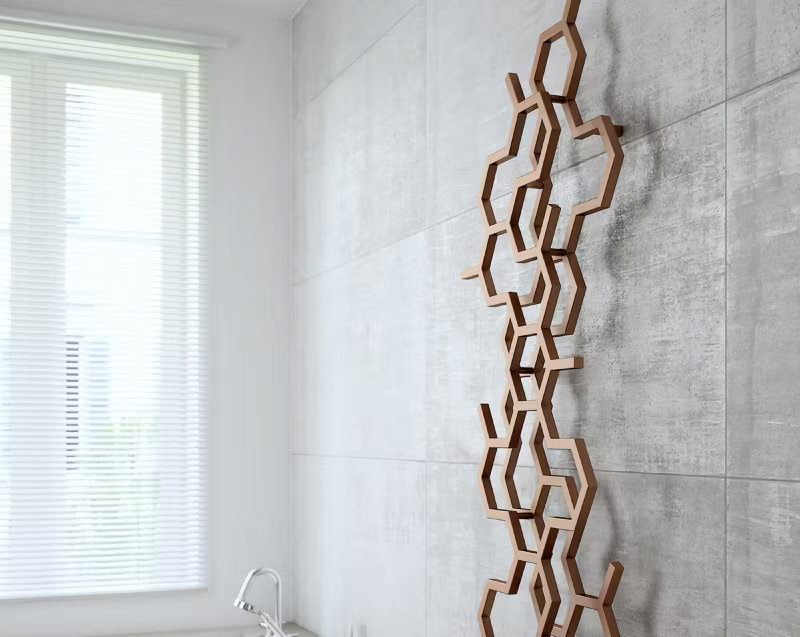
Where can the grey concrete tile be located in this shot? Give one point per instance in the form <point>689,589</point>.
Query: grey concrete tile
<point>649,64</point>
<point>360,358</point>
<point>471,47</point>
<point>465,361</point>
<point>317,354</point>
<point>329,35</point>
<point>651,396</point>
<point>763,555</point>
<point>668,531</point>
<point>463,550</point>
<point>669,534</point>
<point>763,41</point>
<point>359,155</point>
<point>764,282</point>
<point>359,540</point>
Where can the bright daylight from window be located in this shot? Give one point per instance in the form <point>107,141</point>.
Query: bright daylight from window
<point>101,298</point>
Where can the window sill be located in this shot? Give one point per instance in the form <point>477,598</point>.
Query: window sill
<point>231,632</point>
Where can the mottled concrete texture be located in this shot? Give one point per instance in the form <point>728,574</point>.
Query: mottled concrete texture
<point>764,282</point>
<point>763,558</point>
<point>464,549</point>
<point>359,182</point>
<point>689,330</point>
<point>465,361</point>
<point>329,35</point>
<point>763,41</point>
<point>667,530</point>
<point>649,64</point>
<point>652,394</point>
<point>360,362</point>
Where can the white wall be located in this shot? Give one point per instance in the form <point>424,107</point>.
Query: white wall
<point>249,301</point>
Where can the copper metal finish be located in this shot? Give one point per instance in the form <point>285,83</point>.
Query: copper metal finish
<point>541,373</point>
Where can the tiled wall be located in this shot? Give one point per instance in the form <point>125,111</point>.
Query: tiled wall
<point>689,400</point>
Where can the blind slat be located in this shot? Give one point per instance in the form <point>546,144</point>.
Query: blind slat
<point>102,314</point>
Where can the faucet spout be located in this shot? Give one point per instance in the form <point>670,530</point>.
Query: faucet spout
<point>276,624</point>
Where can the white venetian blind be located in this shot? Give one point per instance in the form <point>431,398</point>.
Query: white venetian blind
<point>102,208</point>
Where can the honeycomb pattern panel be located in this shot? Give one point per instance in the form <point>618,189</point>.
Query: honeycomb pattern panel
<point>532,381</point>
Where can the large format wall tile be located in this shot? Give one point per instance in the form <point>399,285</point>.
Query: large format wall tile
<point>764,282</point>
<point>763,41</point>
<point>471,47</point>
<point>649,64</point>
<point>652,394</point>
<point>397,103</point>
<point>463,550</point>
<point>329,35</point>
<point>359,378</point>
<point>763,554</point>
<point>463,339</point>
<point>668,531</point>
<point>359,526</point>
<point>651,397</point>
<point>359,155</point>
<point>317,352</point>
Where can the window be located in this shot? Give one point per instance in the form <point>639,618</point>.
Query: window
<point>101,314</point>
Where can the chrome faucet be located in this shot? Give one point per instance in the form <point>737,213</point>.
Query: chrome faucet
<point>274,625</point>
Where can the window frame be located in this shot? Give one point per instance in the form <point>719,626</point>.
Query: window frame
<point>49,75</point>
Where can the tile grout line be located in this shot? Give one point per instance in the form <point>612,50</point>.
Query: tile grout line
<point>299,10</point>
<point>336,77</point>
<point>374,251</point>
<point>734,96</point>
<point>730,478</point>
<point>628,142</point>
<point>425,552</point>
<point>475,463</point>
<point>725,338</point>
<point>292,334</point>
<point>427,197</point>
<point>499,196</point>
<point>758,87</point>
